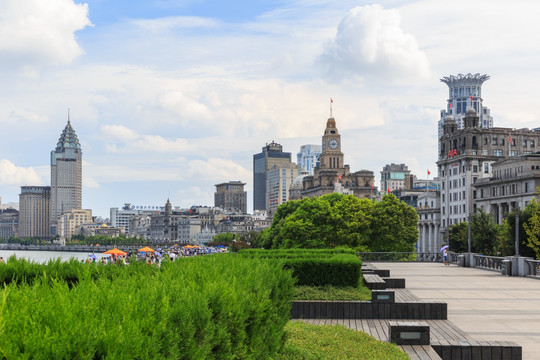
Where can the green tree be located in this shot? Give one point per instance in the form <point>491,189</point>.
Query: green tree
<point>506,246</point>
<point>393,226</point>
<point>342,220</point>
<point>532,227</point>
<point>459,237</point>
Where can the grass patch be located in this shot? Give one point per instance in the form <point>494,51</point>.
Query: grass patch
<point>327,292</point>
<point>310,342</point>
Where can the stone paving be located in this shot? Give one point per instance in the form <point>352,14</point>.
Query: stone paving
<point>485,304</point>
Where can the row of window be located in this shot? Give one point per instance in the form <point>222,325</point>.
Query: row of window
<point>502,190</point>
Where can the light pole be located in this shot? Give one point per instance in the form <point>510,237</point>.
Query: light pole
<point>517,229</point>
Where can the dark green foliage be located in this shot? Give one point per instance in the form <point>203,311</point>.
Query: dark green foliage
<point>486,236</point>
<point>219,307</point>
<point>342,220</point>
<point>315,267</point>
<point>340,270</point>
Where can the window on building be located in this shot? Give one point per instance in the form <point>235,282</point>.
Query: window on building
<point>443,197</point>
<point>481,193</point>
<point>532,143</point>
<point>486,168</point>
<point>497,152</point>
<point>485,140</point>
<point>524,143</point>
<point>474,180</point>
<point>494,141</point>
<point>485,152</point>
<point>442,184</point>
<point>515,153</point>
<point>475,168</point>
<point>526,187</point>
<point>474,194</point>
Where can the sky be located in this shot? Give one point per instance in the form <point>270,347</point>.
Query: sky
<point>170,97</point>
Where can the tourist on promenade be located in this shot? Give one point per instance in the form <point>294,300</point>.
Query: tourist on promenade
<point>445,257</point>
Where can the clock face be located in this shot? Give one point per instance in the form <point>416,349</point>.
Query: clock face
<point>333,144</point>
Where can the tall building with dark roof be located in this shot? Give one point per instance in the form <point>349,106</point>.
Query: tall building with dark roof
<point>66,175</point>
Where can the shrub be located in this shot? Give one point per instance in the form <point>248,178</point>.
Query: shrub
<point>218,306</point>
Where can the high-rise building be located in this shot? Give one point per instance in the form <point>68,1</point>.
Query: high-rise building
<point>466,156</point>
<point>272,154</point>
<point>393,177</point>
<point>465,91</point>
<point>230,196</point>
<point>279,181</point>
<point>66,176</point>
<point>34,212</point>
<point>309,157</point>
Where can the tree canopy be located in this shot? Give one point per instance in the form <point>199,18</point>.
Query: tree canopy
<point>342,220</point>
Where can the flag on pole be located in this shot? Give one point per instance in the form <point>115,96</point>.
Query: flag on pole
<point>428,172</point>
<point>510,139</point>
<point>389,190</point>
<point>471,98</point>
<point>331,100</point>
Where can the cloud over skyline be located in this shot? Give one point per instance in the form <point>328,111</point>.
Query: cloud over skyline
<point>165,99</point>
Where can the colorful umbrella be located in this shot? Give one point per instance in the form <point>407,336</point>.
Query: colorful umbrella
<point>115,251</point>
<point>146,249</point>
<point>444,247</point>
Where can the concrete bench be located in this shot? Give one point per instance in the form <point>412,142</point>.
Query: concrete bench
<point>374,282</point>
<point>408,333</point>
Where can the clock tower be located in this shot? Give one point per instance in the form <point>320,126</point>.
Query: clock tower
<point>331,156</point>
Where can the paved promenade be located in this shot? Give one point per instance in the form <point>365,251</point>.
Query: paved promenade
<point>485,304</point>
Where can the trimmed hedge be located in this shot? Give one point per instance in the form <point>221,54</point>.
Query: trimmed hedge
<point>339,250</point>
<point>218,307</point>
<point>339,271</point>
<point>316,267</point>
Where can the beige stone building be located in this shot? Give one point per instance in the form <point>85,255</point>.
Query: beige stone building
<point>514,183</point>
<point>280,179</point>
<point>70,222</point>
<point>333,175</point>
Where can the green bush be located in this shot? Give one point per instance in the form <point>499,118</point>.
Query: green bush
<point>343,270</point>
<point>219,307</point>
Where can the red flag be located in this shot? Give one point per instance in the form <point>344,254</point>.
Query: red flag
<point>471,98</point>
<point>428,172</point>
<point>339,177</point>
<point>510,138</point>
<point>450,105</point>
<point>331,101</point>
<point>389,190</point>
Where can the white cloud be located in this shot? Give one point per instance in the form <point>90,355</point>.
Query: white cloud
<point>217,169</point>
<point>34,32</point>
<point>29,116</point>
<point>369,44</point>
<point>122,139</point>
<point>17,176</point>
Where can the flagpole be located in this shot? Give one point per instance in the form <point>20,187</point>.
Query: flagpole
<point>331,101</point>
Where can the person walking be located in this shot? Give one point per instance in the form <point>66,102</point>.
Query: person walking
<point>445,257</point>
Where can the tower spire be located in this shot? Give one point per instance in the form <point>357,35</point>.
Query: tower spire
<point>331,102</point>
<point>68,116</point>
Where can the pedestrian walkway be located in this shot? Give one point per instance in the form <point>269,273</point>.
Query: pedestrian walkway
<point>484,304</point>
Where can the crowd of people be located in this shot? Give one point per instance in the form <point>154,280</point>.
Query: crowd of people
<point>155,257</point>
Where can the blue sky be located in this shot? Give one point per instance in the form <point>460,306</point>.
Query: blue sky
<point>170,98</point>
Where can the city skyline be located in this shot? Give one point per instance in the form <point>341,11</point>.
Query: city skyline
<point>169,98</point>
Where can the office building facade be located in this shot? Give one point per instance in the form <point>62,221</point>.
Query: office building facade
<point>272,154</point>
<point>466,157</point>
<point>280,179</point>
<point>309,157</point>
<point>230,196</point>
<point>393,177</point>
<point>34,212</point>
